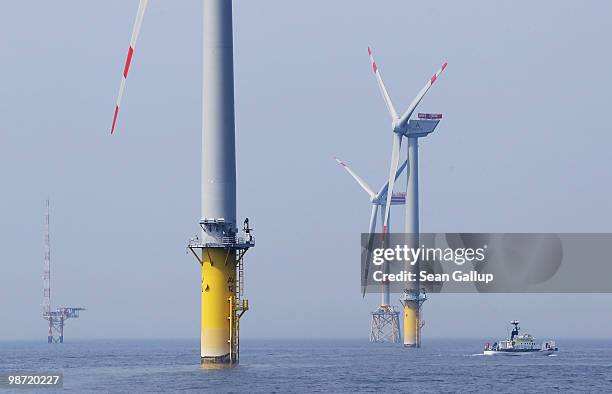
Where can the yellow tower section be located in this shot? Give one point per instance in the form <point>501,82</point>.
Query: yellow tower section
<point>410,325</point>
<point>219,326</point>
<point>413,300</point>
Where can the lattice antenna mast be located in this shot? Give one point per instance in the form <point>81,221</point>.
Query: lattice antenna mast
<point>46,304</point>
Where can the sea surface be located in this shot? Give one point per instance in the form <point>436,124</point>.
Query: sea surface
<point>336,366</point>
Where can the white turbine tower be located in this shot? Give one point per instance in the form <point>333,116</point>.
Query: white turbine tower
<point>219,250</point>
<point>403,126</point>
<point>385,325</point>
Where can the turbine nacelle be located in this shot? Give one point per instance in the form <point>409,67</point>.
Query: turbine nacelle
<point>417,127</point>
<point>378,201</point>
<point>420,128</point>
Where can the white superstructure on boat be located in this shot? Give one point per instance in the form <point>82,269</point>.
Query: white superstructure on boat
<point>519,344</point>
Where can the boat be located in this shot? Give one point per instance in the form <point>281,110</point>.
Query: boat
<point>519,345</point>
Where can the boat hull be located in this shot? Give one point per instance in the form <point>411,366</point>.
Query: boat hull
<point>515,353</point>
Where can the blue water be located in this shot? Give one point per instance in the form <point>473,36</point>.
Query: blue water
<point>313,366</point>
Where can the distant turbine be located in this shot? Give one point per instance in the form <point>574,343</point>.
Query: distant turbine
<point>399,124</point>
<point>413,297</point>
<point>378,201</point>
<point>385,319</point>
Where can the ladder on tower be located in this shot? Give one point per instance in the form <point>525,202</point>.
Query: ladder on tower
<point>240,284</point>
<point>242,305</point>
<point>237,308</point>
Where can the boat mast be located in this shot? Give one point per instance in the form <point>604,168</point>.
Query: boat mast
<point>515,330</point>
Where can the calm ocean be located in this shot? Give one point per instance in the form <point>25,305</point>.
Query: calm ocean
<point>313,366</point>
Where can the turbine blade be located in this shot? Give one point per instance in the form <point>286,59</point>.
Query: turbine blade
<point>359,180</point>
<point>368,255</point>
<point>383,190</point>
<point>395,153</point>
<point>406,116</point>
<point>136,30</point>
<point>381,85</point>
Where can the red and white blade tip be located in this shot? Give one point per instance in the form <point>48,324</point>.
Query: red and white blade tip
<point>436,75</point>
<point>126,70</point>
<point>128,60</point>
<point>374,66</point>
<point>115,119</point>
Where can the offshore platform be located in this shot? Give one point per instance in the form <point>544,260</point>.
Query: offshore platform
<point>56,317</point>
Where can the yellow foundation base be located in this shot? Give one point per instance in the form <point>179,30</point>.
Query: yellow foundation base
<point>218,288</point>
<point>411,326</point>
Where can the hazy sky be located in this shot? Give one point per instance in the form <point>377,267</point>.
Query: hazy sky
<point>524,146</point>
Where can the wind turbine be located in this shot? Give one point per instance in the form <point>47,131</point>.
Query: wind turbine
<point>378,201</point>
<point>413,129</point>
<point>399,125</point>
<point>385,319</point>
<point>219,250</point>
